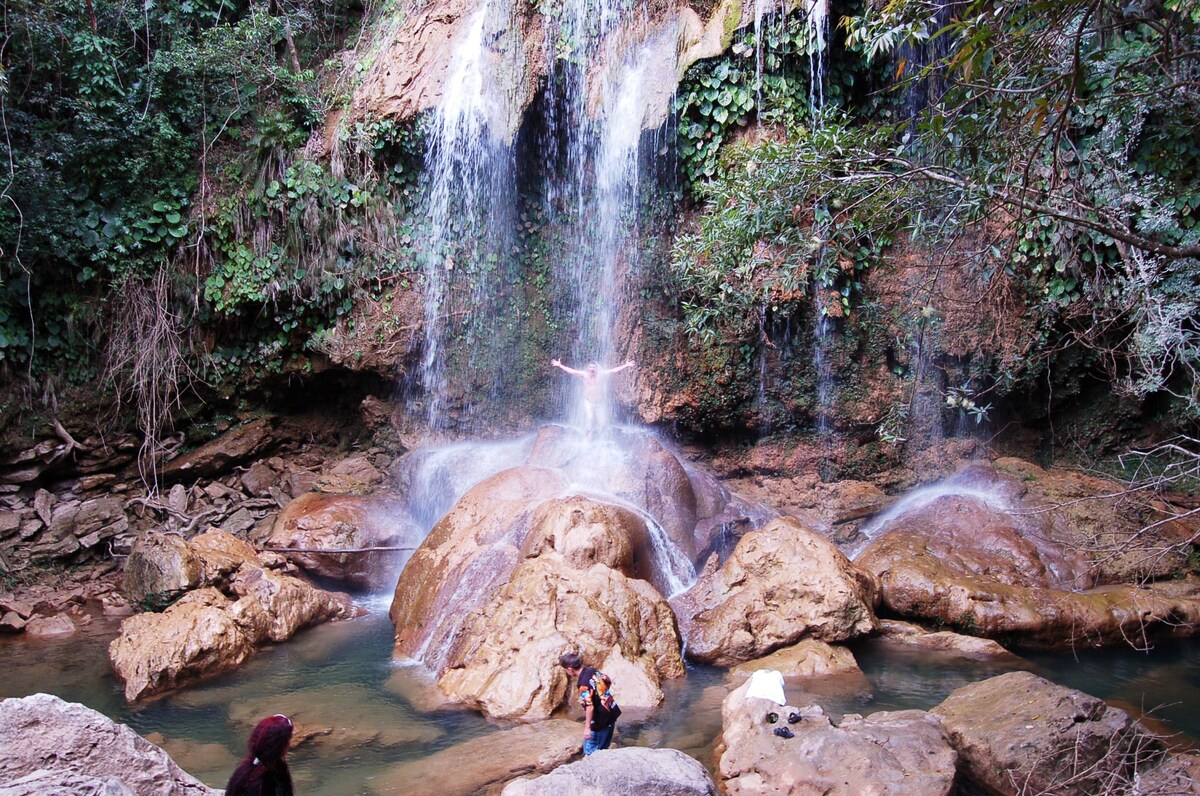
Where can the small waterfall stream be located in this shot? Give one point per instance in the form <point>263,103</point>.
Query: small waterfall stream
<point>468,191</point>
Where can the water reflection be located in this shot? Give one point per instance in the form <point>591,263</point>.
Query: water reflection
<point>359,717</point>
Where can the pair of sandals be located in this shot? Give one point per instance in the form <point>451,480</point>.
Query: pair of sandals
<point>784,732</point>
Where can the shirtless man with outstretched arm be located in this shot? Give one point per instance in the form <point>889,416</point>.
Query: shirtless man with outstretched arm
<point>593,377</point>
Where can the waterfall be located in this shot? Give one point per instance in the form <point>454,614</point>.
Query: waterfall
<point>594,134</point>
<point>817,15</point>
<point>467,202</point>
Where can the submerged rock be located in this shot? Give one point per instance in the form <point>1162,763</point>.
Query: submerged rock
<point>782,583</point>
<point>483,764</point>
<point>900,752</point>
<point>466,558</point>
<point>1019,733</point>
<point>648,772</point>
<point>51,745</point>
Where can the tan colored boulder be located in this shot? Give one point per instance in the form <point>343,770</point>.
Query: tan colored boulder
<point>197,637</point>
<point>586,531</point>
<point>317,521</point>
<point>904,753</point>
<point>160,567</point>
<point>782,583</point>
<point>919,583</point>
<point>984,537</point>
<point>55,626</point>
<point>1019,733</point>
<point>466,557</point>
<point>45,736</point>
<point>482,765</point>
<point>636,467</point>
<point>274,607</point>
<point>809,658</point>
<point>220,555</point>
<point>505,661</point>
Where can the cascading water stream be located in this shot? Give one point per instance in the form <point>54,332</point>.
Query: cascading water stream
<point>467,202</point>
<point>596,128</point>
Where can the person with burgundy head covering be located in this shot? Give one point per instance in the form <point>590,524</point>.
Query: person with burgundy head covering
<point>264,771</point>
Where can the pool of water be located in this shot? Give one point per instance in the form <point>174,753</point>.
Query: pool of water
<point>342,675</point>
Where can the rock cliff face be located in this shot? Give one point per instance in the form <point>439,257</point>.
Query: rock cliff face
<point>410,58</point>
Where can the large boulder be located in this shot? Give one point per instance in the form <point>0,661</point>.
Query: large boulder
<point>647,772</point>
<point>900,752</point>
<point>274,607</point>
<point>984,534</point>
<point>195,638</point>
<point>919,581</point>
<point>809,658</point>
<point>1019,733</point>
<point>48,743</point>
<point>317,522</point>
<point>633,466</point>
<point>207,632</point>
<point>482,765</point>
<point>505,662</point>
<point>466,558</point>
<point>783,583</point>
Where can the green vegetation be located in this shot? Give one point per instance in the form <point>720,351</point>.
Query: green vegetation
<point>1052,156</point>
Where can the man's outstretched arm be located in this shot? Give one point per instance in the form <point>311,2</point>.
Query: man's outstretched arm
<point>619,368</point>
<point>563,367</point>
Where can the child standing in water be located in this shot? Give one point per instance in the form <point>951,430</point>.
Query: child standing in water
<point>594,380</point>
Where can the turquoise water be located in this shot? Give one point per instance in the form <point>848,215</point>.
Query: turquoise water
<point>342,676</point>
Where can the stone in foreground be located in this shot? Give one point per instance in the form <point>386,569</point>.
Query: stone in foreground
<point>47,739</point>
<point>646,772</point>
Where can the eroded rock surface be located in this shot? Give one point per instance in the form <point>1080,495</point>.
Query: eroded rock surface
<point>49,744</point>
<point>898,752</point>
<point>782,583</point>
<point>506,660</point>
<point>647,772</point>
<point>1019,733</point>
